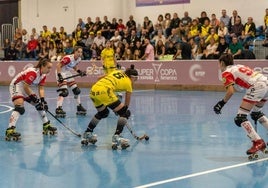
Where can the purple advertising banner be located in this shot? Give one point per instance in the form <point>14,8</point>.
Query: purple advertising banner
<point>140,3</point>
<point>157,73</point>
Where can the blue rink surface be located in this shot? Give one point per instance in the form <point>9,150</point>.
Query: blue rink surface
<point>189,145</point>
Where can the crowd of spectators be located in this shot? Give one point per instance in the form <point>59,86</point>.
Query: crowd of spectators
<point>168,37</point>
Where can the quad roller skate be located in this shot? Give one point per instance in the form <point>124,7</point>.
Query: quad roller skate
<point>60,113</point>
<point>49,129</point>
<point>117,141</point>
<point>81,110</point>
<point>258,146</point>
<point>11,134</point>
<point>89,137</point>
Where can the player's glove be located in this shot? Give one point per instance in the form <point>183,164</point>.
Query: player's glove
<point>42,105</point>
<point>118,66</point>
<point>33,98</point>
<point>81,73</point>
<point>218,106</point>
<point>60,78</point>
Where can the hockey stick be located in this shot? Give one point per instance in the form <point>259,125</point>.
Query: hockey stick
<point>68,128</point>
<point>146,137</point>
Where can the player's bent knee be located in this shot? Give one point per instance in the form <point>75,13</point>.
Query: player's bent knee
<point>19,109</point>
<point>102,114</point>
<point>239,119</point>
<point>63,92</point>
<point>76,91</point>
<point>124,112</point>
<point>256,115</point>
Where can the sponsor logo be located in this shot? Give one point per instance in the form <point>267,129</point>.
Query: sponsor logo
<point>196,72</point>
<point>29,65</point>
<point>11,71</point>
<point>263,70</point>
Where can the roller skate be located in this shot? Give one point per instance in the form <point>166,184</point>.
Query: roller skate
<point>89,137</point>
<point>60,113</point>
<point>81,110</point>
<point>49,129</point>
<point>118,140</point>
<point>11,134</point>
<point>258,145</point>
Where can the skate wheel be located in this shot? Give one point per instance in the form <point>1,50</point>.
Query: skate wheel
<point>114,147</point>
<point>124,146</point>
<point>265,151</point>
<point>15,139</point>
<point>7,139</point>
<point>256,156</point>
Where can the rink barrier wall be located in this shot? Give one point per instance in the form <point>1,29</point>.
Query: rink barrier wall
<point>166,75</point>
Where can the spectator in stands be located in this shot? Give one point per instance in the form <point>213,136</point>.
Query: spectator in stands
<point>81,23</point>
<point>94,51</point>
<point>194,31</point>
<point>204,29</point>
<point>136,55</point>
<point>159,25</point>
<point>25,36</point>
<point>166,24</point>
<point>171,50</point>
<point>45,32</point>
<point>201,49</point>
<point>17,34</point>
<point>214,22</point>
<point>69,48</point>
<point>174,24</point>
<point>32,48</point>
<point>235,48</point>
<point>237,28</point>
<point>148,26</point>
<point>55,35</point>
<point>118,53</point>
<point>35,34</point>
<point>194,47</point>
<point>84,36</point>
<point>186,20</point>
<point>222,48</point>
<point>233,20</point>
<point>97,26</point>
<point>131,24</point>
<point>224,18</point>
<point>21,48</point>
<point>212,34</point>
<point>6,45</point>
<point>202,18</point>
<point>62,33</point>
<point>121,27</point>
<point>222,32</point>
<point>59,51</point>
<point>266,22</point>
<point>149,50</point>
<point>43,52</point>
<point>160,50</point>
<point>127,54</point>
<point>105,29</point>
<point>184,51</point>
<point>52,51</point>
<point>248,32</point>
<point>173,38</point>
<point>11,52</point>
<point>99,39</point>
<point>211,48</point>
<point>116,38</point>
<point>89,24</point>
<point>113,27</point>
<point>246,53</point>
<point>158,37</point>
<point>76,34</point>
<point>138,46</point>
<point>132,38</point>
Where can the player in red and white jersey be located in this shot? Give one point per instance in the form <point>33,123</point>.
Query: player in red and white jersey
<point>64,69</point>
<point>21,90</point>
<point>256,85</point>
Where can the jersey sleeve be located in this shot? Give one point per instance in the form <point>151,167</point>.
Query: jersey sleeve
<point>30,77</point>
<point>65,60</point>
<point>228,79</point>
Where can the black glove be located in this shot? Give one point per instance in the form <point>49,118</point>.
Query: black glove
<point>42,105</point>
<point>60,78</point>
<point>81,73</point>
<point>33,98</point>
<point>218,106</point>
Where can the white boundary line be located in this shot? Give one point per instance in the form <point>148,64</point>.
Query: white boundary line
<point>199,174</point>
<point>9,108</point>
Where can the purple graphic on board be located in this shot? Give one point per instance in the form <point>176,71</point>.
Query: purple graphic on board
<point>140,3</point>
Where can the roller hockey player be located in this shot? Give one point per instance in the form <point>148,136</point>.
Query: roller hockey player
<point>103,95</point>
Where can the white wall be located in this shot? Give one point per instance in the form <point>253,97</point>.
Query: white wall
<point>35,13</point>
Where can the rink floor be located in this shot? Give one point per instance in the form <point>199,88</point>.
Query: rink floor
<point>189,146</point>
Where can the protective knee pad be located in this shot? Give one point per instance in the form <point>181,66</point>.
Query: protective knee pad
<point>19,109</point>
<point>102,114</point>
<point>76,91</point>
<point>239,119</point>
<point>63,92</point>
<point>256,115</point>
<point>124,112</point>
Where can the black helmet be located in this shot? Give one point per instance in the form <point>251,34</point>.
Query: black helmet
<point>131,71</point>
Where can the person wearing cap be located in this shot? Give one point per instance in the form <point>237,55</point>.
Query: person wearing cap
<point>99,39</point>
<point>103,96</point>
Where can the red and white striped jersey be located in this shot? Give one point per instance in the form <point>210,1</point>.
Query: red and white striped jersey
<point>69,62</point>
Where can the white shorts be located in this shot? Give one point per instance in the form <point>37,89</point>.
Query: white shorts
<point>257,92</point>
<point>17,91</point>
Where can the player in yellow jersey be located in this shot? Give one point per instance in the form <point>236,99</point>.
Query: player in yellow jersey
<point>108,59</point>
<point>103,95</point>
